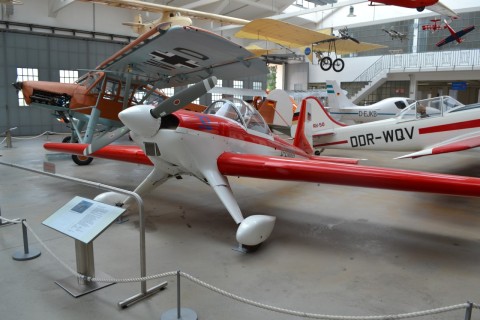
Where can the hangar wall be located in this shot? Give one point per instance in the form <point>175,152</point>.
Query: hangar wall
<point>48,54</point>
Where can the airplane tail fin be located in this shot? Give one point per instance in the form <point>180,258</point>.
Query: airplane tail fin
<point>303,134</point>
<point>315,120</point>
<point>137,26</point>
<point>336,97</point>
<point>277,109</point>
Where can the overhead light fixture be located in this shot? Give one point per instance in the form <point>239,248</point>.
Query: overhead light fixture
<point>351,14</point>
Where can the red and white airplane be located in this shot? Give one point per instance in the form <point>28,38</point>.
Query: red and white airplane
<point>420,5</point>
<point>231,139</point>
<point>427,127</point>
<point>434,26</point>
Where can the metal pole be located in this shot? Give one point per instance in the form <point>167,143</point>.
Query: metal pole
<point>179,314</point>
<point>26,254</point>
<point>468,311</point>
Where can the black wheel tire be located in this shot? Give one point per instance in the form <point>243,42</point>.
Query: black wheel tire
<point>326,63</point>
<point>82,160</point>
<point>67,139</point>
<point>338,65</point>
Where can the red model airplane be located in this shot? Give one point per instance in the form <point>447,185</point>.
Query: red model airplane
<point>420,5</point>
<point>231,139</point>
<point>435,26</point>
<point>454,35</point>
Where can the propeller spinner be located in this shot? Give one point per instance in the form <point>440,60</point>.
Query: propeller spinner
<point>136,118</point>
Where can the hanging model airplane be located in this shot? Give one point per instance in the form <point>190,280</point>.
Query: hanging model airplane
<point>434,26</point>
<point>454,35</point>
<point>231,139</point>
<point>291,36</point>
<point>420,5</point>
<point>427,127</point>
<point>175,56</point>
<point>394,34</point>
<point>342,109</point>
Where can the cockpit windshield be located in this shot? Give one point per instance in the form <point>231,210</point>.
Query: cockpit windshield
<point>434,107</point>
<point>241,112</point>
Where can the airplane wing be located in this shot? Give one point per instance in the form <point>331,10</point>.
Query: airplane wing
<point>292,36</point>
<point>461,143</point>
<point>159,8</point>
<point>283,33</point>
<point>443,10</point>
<point>345,46</point>
<point>183,55</point>
<point>316,171</point>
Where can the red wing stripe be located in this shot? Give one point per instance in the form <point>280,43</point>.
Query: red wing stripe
<point>132,154</point>
<point>330,143</point>
<point>451,126</point>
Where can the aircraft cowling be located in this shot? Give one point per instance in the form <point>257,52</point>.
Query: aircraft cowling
<point>255,229</point>
<point>139,120</point>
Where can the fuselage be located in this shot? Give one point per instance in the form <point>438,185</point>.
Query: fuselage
<point>403,133</point>
<point>190,143</point>
<point>408,3</point>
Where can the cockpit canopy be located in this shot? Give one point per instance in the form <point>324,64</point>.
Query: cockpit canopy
<point>434,107</point>
<point>241,112</point>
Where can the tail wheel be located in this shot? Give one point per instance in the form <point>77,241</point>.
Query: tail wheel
<point>338,65</point>
<point>79,160</point>
<point>326,63</point>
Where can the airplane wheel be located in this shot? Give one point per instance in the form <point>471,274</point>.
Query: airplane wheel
<point>326,63</point>
<point>338,65</point>
<point>82,160</point>
<point>420,9</point>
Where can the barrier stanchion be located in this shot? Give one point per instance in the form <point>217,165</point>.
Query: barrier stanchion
<point>27,254</point>
<point>178,312</point>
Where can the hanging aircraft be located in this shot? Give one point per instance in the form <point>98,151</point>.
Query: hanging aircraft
<point>420,5</point>
<point>291,36</point>
<point>162,57</point>
<point>426,127</point>
<point>394,34</point>
<point>454,35</point>
<point>231,139</point>
<point>434,26</point>
<point>342,109</point>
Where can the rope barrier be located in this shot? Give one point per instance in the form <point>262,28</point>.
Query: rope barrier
<point>248,301</point>
<point>10,220</point>
<point>35,137</point>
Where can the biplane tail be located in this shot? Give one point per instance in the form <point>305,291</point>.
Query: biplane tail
<point>277,109</point>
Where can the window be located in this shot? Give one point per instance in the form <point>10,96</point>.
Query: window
<point>169,91</point>
<point>217,96</point>
<point>68,76</point>
<point>238,84</point>
<point>257,85</point>
<point>197,101</point>
<point>25,74</point>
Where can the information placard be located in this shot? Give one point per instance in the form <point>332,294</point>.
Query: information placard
<point>83,219</point>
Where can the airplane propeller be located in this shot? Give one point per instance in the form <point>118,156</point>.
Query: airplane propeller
<point>166,107</point>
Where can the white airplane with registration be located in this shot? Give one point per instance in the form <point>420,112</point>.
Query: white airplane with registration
<point>342,109</point>
<point>230,138</point>
<point>427,127</point>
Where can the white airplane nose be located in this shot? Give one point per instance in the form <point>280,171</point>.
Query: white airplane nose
<point>139,120</point>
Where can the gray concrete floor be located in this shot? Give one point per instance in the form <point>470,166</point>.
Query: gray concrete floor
<point>334,250</point>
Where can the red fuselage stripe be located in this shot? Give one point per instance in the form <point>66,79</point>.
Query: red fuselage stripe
<point>331,143</point>
<point>451,126</point>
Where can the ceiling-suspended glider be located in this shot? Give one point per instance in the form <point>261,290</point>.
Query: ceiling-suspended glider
<point>231,139</point>
<point>291,36</point>
<point>160,58</point>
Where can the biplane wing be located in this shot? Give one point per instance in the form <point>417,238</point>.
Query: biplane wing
<point>292,36</point>
<point>346,46</point>
<point>183,55</point>
<point>283,33</point>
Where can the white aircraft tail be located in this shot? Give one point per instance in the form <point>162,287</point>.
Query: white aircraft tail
<point>277,109</point>
<point>336,97</point>
<point>318,121</point>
